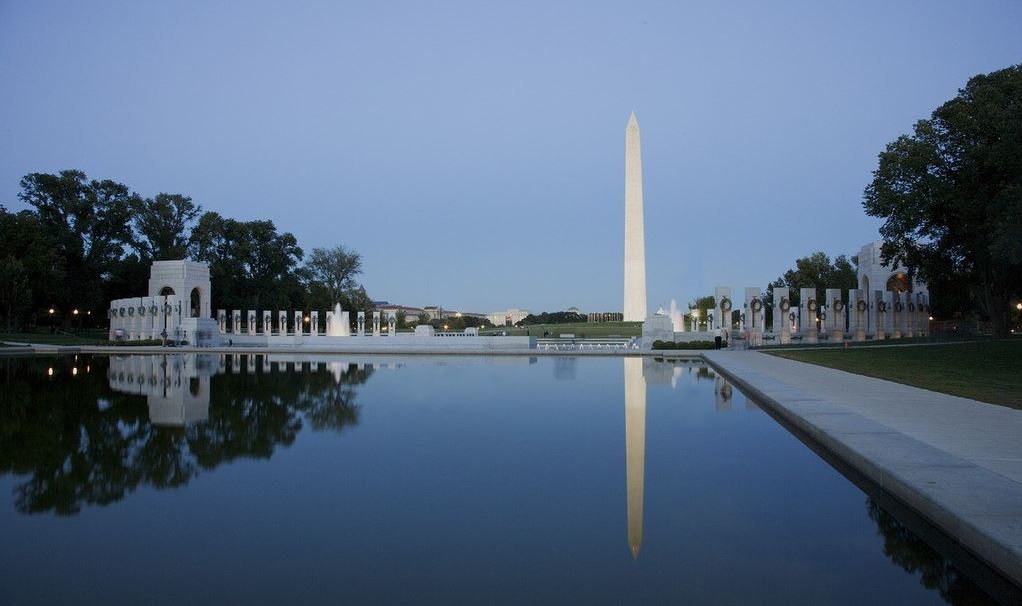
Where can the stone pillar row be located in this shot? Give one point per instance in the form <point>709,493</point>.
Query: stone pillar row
<point>865,315</point>
<point>147,318</point>
<point>297,324</point>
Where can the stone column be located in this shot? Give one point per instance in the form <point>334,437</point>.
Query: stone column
<point>910,315</point>
<point>361,323</point>
<point>722,306</point>
<point>891,304</point>
<point>221,318</point>
<point>835,315</point>
<point>754,315</point>
<point>858,311</point>
<point>923,305</point>
<point>267,323</point>
<point>782,309</point>
<point>298,321</point>
<point>878,314</point>
<point>807,315</point>
<point>330,319</point>
<point>236,322</point>
<point>282,322</point>
<point>376,323</point>
<point>252,321</point>
<point>392,324</point>
<point>314,326</point>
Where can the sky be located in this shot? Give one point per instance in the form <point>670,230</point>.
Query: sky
<point>473,152</point>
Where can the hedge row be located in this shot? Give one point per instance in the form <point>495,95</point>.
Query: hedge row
<point>686,345</point>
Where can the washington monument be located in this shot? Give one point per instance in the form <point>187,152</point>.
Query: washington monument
<point>635,240</point>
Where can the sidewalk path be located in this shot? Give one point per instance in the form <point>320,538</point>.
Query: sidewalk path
<point>956,461</point>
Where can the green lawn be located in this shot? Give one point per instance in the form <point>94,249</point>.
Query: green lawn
<point>989,371</point>
<point>579,329</point>
<point>46,338</point>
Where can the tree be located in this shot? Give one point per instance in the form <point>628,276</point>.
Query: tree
<point>15,293</point>
<point>817,271</point>
<point>24,238</point>
<point>162,225</point>
<point>252,265</point>
<point>951,194</point>
<point>89,224</point>
<point>335,268</point>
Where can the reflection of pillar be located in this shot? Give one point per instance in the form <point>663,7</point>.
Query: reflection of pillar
<point>721,393</point>
<point>635,449</point>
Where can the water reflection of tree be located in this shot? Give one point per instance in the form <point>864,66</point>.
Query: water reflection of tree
<point>907,550</point>
<point>81,443</point>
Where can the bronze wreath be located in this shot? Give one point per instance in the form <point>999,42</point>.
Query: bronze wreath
<point>725,303</point>
<point>757,305</point>
<point>122,312</point>
<point>860,305</point>
<point>153,309</point>
<point>785,304</point>
<point>166,308</point>
<point>882,306</point>
<point>898,306</point>
<point>811,305</point>
<point>838,305</point>
<point>131,311</point>
<point>911,306</point>
<point>791,316</point>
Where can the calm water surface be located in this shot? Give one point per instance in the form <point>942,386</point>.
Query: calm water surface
<point>216,479</point>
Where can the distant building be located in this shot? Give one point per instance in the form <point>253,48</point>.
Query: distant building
<point>411,313</point>
<point>873,274</point>
<point>605,316</point>
<point>507,318</point>
<point>574,310</point>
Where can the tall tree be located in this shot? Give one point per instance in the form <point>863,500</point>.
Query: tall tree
<point>162,225</point>
<point>15,291</point>
<point>335,268</point>
<point>951,193</point>
<point>89,223</point>
<point>24,238</point>
<point>253,266</point>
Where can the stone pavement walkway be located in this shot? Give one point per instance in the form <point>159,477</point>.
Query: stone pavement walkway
<point>957,462</point>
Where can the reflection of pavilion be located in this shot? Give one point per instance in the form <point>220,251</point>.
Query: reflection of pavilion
<point>635,448</point>
<point>176,386</point>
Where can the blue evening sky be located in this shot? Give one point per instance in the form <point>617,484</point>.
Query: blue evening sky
<point>473,151</point>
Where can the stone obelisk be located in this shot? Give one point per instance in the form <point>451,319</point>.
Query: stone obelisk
<point>635,240</point>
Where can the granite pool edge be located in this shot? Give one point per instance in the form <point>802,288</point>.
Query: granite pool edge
<point>1001,551</point>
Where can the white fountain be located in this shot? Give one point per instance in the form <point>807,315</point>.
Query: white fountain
<point>677,318</point>
<point>340,326</point>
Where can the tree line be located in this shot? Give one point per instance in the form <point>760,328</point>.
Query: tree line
<point>83,242</point>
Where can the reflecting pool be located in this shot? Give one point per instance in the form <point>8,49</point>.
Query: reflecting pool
<point>217,479</point>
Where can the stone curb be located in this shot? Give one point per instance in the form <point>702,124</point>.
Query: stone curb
<point>980,509</point>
